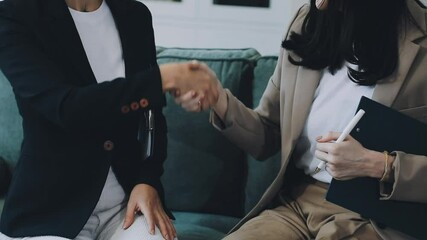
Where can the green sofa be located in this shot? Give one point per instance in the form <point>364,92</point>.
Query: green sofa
<point>209,183</point>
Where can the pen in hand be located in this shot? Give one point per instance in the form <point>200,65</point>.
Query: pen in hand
<point>343,135</point>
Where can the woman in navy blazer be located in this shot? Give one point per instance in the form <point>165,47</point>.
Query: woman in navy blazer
<point>75,130</point>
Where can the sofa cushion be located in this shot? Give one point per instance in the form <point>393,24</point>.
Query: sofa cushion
<point>10,122</point>
<point>196,226</point>
<point>260,174</point>
<point>204,172</point>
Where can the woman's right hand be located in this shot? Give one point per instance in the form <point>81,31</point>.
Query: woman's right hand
<point>192,102</point>
<point>191,79</point>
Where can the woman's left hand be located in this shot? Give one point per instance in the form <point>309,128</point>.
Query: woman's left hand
<point>348,159</point>
<point>144,198</point>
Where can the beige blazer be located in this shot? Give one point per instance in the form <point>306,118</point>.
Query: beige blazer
<point>279,119</point>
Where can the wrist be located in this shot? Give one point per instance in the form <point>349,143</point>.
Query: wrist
<point>388,173</point>
<point>167,76</point>
<point>221,105</point>
<point>375,164</point>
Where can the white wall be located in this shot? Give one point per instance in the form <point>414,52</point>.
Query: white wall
<point>199,24</point>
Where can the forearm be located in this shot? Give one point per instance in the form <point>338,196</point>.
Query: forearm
<point>247,129</point>
<point>221,106</point>
<point>61,96</point>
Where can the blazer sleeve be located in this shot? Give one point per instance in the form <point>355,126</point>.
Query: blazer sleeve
<point>38,83</point>
<point>258,131</point>
<point>410,178</point>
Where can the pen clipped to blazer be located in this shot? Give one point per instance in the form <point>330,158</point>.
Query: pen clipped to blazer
<point>343,135</point>
<point>146,133</point>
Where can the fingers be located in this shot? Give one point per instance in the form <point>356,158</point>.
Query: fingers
<point>321,155</point>
<point>130,215</point>
<point>147,200</point>
<point>175,93</point>
<point>327,147</point>
<point>157,217</point>
<point>184,99</point>
<point>166,228</point>
<point>196,76</point>
<point>330,136</point>
<point>189,80</point>
<point>150,221</point>
<point>191,102</point>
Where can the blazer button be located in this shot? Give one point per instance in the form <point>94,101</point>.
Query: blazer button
<point>125,109</point>
<point>134,106</point>
<point>143,102</point>
<point>108,145</point>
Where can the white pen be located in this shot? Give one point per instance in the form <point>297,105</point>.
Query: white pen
<point>343,135</point>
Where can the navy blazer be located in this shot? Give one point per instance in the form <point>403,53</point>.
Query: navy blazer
<point>75,128</point>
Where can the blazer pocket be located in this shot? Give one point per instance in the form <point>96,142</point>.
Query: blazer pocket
<point>419,113</point>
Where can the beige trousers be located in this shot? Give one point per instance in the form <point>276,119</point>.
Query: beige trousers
<point>305,214</point>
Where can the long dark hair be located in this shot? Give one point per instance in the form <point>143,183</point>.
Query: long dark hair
<point>362,32</point>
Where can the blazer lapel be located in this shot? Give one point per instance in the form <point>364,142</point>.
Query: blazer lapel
<point>131,36</point>
<point>64,35</point>
<point>306,83</point>
<point>386,91</point>
<point>119,12</point>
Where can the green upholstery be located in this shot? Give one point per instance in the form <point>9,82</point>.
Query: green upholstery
<point>159,49</point>
<point>209,183</point>
<point>203,170</point>
<point>10,123</point>
<point>10,127</point>
<point>202,225</point>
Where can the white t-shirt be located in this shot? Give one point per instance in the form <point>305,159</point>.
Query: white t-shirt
<point>334,104</point>
<point>101,42</point>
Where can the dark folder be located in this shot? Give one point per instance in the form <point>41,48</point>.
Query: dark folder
<point>384,129</point>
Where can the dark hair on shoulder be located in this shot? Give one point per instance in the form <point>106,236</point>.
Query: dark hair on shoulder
<point>361,32</point>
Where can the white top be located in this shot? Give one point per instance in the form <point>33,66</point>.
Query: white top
<point>335,103</point>
<point>101,42</point>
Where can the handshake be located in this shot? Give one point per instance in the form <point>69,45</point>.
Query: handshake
<point>193,84</point>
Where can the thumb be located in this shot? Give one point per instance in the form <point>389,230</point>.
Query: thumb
<point>194,65</point>
<point>129,218</point>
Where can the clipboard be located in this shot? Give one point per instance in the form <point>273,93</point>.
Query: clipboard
<point>384,129</point>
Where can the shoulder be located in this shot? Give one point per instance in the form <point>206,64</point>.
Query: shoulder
<point>134,11</point>
<point>137,7</point>
<point>21,10</point>
<point>297,21</point>
<point>418,13</point>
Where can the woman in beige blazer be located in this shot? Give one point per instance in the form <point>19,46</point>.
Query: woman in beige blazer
<point>381,47</point>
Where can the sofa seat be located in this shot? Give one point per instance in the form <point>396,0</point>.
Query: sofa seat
<point>193,226</point>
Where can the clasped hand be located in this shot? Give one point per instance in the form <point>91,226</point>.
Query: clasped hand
<point>193,79</point>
